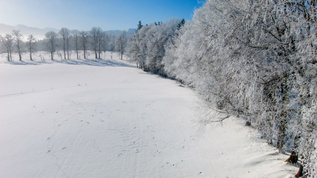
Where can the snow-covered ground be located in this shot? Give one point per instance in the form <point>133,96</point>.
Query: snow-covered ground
<point>106,118</point>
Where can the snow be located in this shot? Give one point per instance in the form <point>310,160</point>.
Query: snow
<point>106,118</point>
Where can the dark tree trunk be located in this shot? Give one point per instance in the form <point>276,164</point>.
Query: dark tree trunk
<point>300,172</point>
<point>283,116</point>
<point>20,57</point>
<point>293,158</point>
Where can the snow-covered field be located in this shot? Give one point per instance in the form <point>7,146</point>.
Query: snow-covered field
<point>106,118</point>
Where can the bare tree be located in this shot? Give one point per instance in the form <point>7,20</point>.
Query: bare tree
<point>76,41</point>
<point>31,45</point>
<point>105,42</point>
<point>65,34</point>
<point>8,44</point>
<point>112,42</point>
<point>101,42</point>
<point>121,42</point>
<point>51,42</point>
<point>95,34</point>
<point>83,40</point>
<point>18,41</point>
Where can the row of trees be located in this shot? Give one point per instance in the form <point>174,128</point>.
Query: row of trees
<point>147,47</point>
<point>65,40</point>
<point>253,59</point>
<point>15,39</point>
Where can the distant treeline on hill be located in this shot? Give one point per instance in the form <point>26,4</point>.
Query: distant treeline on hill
<point>253,59</point>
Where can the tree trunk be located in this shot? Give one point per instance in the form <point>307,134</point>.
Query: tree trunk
<point>300,172</point>
<point>269,132</point>
<point>67,48</point>
<point>281,134</point>
<point>283,116</point>
<point>121,51</point>
<point>293,158</point>
<point>99,49</point>
<point>8,56</point>
<point>64,51</point>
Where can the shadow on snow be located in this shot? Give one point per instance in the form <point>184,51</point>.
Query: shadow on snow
<point>28,62</point>
<point>88,62</point>
<point>96,62</point>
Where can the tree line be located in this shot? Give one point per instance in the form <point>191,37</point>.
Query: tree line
<point>65,41</point>
<point>253,59</point>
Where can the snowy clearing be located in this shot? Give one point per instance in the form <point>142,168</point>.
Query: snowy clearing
<point>106,118</point>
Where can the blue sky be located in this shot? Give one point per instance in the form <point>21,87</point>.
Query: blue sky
<point>85,14</point>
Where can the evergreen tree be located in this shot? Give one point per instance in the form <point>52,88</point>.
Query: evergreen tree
<point>180,24</point>
<point>139,25</point>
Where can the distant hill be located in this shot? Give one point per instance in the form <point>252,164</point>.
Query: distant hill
<point>117,32</point>
<point>40,33</point>
<point>25,30</point>
<point>131,31</point>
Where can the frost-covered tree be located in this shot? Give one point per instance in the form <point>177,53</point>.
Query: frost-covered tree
<point>65,34</point>
<point>178,62</point>
<point>137,47</point>
<point>31,45</point>
<point>222,53</point>
<point>256,60</point>
<point>101,43</point>
<point>8,45</point>
<point>110,43</point>
<point>75,41</point>
<point>104,42</point>
<point>83,39</point>
<point>147,47</point>
<point>121,42</point>
<point>18,42</point>
<point>51,38</point>
<point>112,40</point>
<point>96,38</point>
